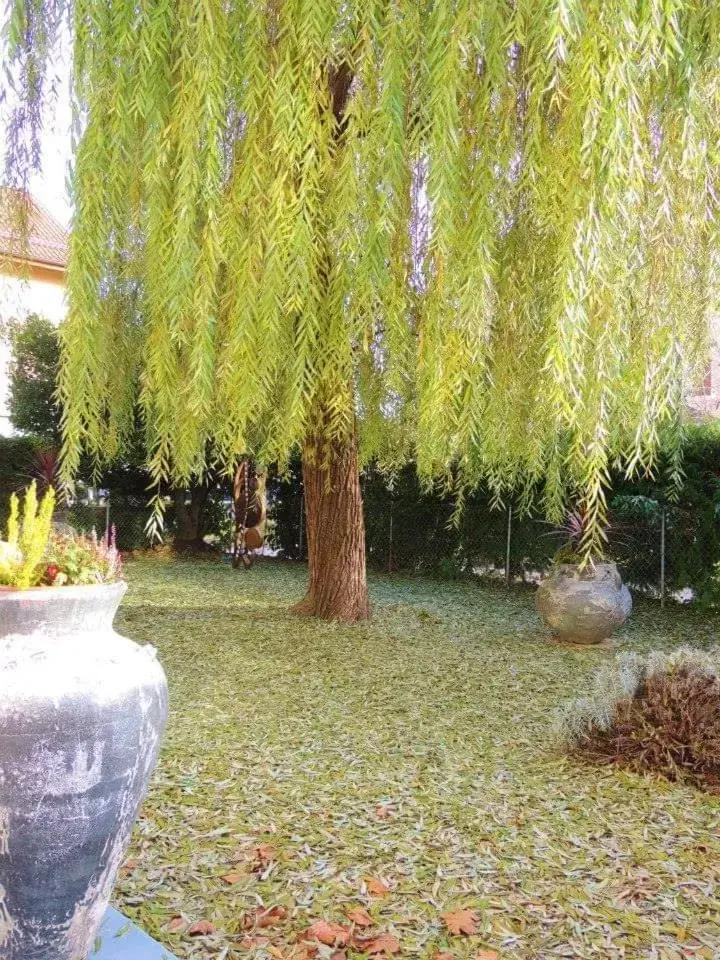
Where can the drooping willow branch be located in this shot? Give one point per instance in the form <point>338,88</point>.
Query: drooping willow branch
<point>522,212</point>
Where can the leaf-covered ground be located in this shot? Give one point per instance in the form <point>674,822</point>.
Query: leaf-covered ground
<point>402,770</point>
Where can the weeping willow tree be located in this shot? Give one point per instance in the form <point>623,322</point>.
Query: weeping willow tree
<point>480,234</point>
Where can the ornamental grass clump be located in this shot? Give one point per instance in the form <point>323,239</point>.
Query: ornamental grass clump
<point>656,713</point>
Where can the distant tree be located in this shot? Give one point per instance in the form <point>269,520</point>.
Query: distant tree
<point>33,376</point>
<point>34,366</point>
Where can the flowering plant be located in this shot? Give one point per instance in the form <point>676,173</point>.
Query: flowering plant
<point>80,559</point>
<point>34,555</point>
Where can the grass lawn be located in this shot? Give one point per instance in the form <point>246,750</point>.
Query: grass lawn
<point>308,764</point>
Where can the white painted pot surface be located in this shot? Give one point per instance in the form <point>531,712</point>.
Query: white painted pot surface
<point>82,713</point>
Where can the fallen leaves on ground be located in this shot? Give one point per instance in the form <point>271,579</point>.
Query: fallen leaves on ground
<point>290,734</point>
<point>265,853</point>
<point>383,943</point>
<point>331,934</point>
<point>264,918</point>
<point>360,917</point>
<point>377,887</point>
<point>256,943</point>
<point>201,928</point>
<point>461,922</point>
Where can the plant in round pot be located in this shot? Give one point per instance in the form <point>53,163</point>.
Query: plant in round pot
<point>82,712</point>
<point>582,601</point>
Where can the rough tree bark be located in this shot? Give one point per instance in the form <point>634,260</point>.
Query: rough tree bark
<point>331,479</point>
<point>337,587</point>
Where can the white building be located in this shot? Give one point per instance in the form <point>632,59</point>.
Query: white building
<point>32,280</point>
<point>706,403</point>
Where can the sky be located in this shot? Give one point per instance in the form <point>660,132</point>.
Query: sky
<point>49,187</point>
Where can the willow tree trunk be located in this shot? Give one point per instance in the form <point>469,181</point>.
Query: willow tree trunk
<point>337,587</point>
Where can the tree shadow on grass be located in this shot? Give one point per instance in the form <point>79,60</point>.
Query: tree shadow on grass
<point>150,613</point>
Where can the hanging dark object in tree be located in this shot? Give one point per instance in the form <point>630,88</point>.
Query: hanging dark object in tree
<point>250,508</point>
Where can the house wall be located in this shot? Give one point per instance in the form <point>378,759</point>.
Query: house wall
<point>706,402</point>
<point>43,293</point>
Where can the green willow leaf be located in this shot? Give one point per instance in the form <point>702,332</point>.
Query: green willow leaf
<point>485,234</point>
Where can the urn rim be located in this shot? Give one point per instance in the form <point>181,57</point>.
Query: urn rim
<point>75,590</point>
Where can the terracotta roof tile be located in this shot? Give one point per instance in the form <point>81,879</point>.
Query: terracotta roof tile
<point>47,240</point>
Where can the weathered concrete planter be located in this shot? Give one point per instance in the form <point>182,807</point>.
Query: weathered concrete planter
<point>583,605</point>
<point>82,712</point>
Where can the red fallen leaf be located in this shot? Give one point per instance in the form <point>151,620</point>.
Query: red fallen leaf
<point>297,951</point>
<point>264,918</point>
<point>377,887</point>
<point>305,952</point>
<point>383,812</point>
<point>232,878</point>
<point>201,928</point>
<point>338,955</point>
<point>360,917</point>
<point>128,866</point>
<point>384,943</point>
<point>461,922</point>
<point>252,943</point>
<point>488,955</point>
<point>264,855</point>
<point>175,923</point>
<point>331,934</point>
<point>265,852</point>
<point>442,955</point>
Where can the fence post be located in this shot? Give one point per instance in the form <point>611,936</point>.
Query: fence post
<point>107,518</point>
<point>390,542</point>
<point>507,548</point>
<point>662,559</point>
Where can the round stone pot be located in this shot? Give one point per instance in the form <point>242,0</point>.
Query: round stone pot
<point>82,712</point>
<point>583,605</point>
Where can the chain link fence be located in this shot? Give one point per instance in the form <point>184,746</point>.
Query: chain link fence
<point>662,550</point>
<point>127,517</point>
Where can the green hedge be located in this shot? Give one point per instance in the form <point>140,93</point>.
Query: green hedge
<point>16,460</point>
<point>410,529</point>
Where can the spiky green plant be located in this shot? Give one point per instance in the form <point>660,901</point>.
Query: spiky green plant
<point>27,539</point>
<point>500,253</point>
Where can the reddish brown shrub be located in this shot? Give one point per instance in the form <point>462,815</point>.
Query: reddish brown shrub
<point>671,725</point>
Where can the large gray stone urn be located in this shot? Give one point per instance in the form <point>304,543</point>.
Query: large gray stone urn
<point>583,605</point>
<point>82,713</point>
